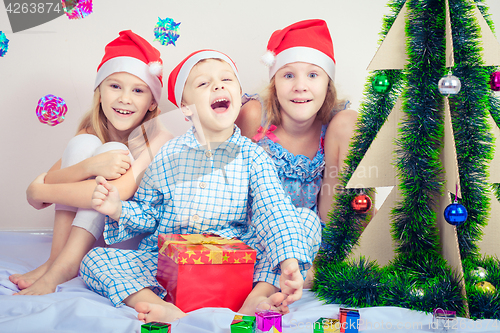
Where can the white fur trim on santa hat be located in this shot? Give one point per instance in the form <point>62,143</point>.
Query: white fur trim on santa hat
<point>303,54</point>
<point>181,79</point>
<point>269,58</point>
<point>132,66</point>
<point>156,68</point>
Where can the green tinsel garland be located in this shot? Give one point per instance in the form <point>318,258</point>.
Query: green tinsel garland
<point>493,101</point>
<point>472,139</point>
<point>355,283</point>
<point>423,282</point>
<point>419,146</point>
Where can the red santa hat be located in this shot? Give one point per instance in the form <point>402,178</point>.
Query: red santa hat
<point>305,41</point>
<point>177,78</point>
<point>132,54</point>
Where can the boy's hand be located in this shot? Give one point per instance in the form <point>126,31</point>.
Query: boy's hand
<point>291,280</point>
<point>106,199</point>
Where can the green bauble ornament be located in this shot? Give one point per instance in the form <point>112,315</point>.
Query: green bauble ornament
<point>381,84</point>
<point>480,274</point>
<point>486,287</point>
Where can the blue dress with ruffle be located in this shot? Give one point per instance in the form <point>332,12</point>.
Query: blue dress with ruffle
<point>301,177</point>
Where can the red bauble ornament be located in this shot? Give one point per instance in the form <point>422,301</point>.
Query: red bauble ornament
<point>495,81</point>
<point>361,203</point>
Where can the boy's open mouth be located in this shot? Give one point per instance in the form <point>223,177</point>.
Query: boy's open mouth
<point>301,101</point>
<point>220,105</point>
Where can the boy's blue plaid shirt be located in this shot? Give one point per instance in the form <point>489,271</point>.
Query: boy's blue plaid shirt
<point>232,190</point>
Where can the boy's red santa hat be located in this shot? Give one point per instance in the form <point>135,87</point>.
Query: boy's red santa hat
<point>305,41</point>
<point>178,76</point>
<point>132,54</point>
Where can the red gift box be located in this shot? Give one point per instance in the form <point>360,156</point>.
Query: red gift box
<point>205,271</point>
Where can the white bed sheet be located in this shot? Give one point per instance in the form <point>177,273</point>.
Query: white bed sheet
<point>74,308</point>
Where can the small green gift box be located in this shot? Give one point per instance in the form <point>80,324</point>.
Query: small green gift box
<point>324,325</point>
<point>243,324</point>
<point>155,327</point>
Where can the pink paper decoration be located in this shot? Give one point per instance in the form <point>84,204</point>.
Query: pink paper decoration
<point>51,110</point>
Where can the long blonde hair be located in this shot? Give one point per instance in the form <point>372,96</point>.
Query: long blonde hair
<point>330,107</point>
<point>95,122</point>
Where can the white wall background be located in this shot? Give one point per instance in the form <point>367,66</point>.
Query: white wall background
<point>60,58</point>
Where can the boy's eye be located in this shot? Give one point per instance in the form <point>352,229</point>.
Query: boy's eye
<point>313,75</point>
<point>202,84</point>
<point>114,86</point>
<point>227,80</point>
<point>288,75</point>
<point>137,90</point>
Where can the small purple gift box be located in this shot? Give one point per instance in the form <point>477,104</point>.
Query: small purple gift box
<point>444,319</point>
<point>444,314</point>
<point>268,321</point>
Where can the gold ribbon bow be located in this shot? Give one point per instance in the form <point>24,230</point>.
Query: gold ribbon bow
<point>208,242</point>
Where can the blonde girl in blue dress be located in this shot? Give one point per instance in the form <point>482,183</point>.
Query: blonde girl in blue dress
<point>304,128</point>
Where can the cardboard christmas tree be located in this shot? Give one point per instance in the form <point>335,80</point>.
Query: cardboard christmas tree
<point>432,149</point>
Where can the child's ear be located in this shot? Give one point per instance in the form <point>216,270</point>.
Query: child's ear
<point>153,106</point>
<point>186,110</point>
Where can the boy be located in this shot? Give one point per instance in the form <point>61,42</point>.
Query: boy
<point>184,192</point>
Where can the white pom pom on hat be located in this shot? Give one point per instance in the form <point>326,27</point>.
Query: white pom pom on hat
<point>269,58</point>
<point>156,68</point>
<point>304,41</point>
<point>132,54</point>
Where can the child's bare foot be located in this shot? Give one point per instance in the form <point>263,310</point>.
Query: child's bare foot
<point>14,278</point>
<point>275,302</point>
<point>25,280</point>
<point>165,312</point>
<point>48,282</point>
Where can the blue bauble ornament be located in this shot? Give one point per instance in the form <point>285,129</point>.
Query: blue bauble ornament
<point>455,214</point>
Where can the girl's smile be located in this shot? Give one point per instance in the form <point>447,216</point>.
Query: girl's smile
<point>123,112</point>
